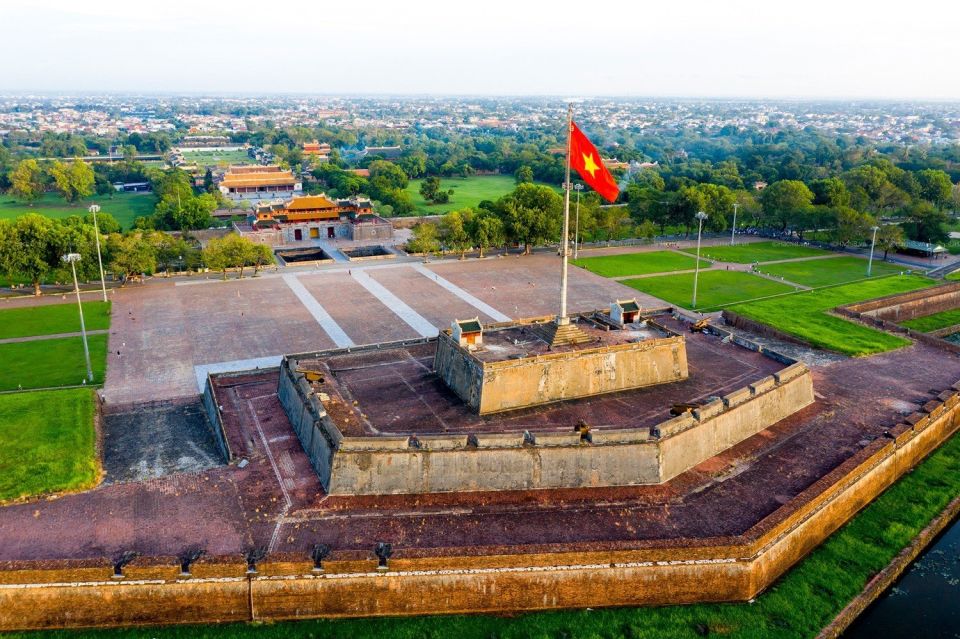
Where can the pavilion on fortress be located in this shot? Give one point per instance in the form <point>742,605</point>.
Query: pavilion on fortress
<point>259,183</point>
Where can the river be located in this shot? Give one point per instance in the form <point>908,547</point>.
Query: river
<point>924,602</point>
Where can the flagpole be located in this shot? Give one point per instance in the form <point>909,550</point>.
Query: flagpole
<point>564,239</point>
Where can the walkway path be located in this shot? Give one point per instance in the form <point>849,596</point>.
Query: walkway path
<point>320,314</point>
<point>462,294</point>
<point>416,321</point>
<point>37,338</point>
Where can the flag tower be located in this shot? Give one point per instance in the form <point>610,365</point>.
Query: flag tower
<point>582,155</point>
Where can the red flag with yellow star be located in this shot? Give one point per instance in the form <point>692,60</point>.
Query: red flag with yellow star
<point>585,158</point>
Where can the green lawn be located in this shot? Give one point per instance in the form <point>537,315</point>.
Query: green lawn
<point>715,288</point>
<point>934,322</point>
<point>804,315</point>
<point>836,270</point>
<point>205,157</point>
<point>50,362</point>
<point>48,443</point>
<point>638,263</point>
<point>756,252</point>
<point>797,606</point>
<point>123,206</point>
<point>467,192</point>
<point>55,318</point>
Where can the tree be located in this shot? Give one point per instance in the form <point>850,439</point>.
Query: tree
<point>523,175</point>
<point>830,192</point>
<point>786,202</point>
<point>9,249</point>
<point>105,222</point>
<point>130,255</point>
<point>38,246</point>
<point>717,204</point>
<point>429,188</point>
<point>260,255</point>
<point>532,214</point>
<point>26,181</point>
<point>424,238</point>
<point>926,223</point>
<point>851,225</point>
<point>610,221</point>
<point>215,257</point>
<point>74,181</point>
<point>486,230</point>
<point>935,186</point>
<point>237,251</point>
<point>890,237</point>
<point>647,230</point>
<point>454,230</point>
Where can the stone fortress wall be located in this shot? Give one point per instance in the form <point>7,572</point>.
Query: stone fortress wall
<point>503,461</point>
<point>444,581</point>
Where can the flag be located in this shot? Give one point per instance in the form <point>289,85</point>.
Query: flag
<point>585,158</point>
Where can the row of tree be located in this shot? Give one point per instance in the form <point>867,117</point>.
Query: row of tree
<point>32,248</point>
<point>29,180</point>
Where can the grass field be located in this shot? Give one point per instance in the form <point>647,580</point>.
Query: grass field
<point>934,322</point>
<point>715,288</point>
<point>50,362</point>
<point>205,157</point>
<point>804,315</point>
<point>467,192</point>
<point>836,270</point>
<point>638,263</point>
<point>756,252</point>
<point>123,206</point>
<point>55,318</point>
<point>48,442</point>
<point>797,606</point>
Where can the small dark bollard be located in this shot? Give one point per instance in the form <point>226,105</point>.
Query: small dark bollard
<point>382,551</point>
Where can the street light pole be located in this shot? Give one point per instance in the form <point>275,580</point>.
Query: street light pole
<point>94,209</point>
<point>72,259</point>
<point>733,231</point>
<point>873,243</point>
<point>701,216</point>
<point>576,232</point>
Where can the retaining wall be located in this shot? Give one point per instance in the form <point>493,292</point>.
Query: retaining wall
<point>77,594</point>
<point>211,405</point>
<point>906,306</point>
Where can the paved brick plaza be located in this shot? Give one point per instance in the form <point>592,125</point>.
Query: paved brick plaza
<point>163,330</point>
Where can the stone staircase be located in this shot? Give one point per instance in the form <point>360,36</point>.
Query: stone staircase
<point>562,334</point>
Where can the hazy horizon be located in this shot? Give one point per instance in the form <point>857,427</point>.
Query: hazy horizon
<point>741,50</point>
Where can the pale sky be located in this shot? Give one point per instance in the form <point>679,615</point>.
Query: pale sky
<point>718,48</point>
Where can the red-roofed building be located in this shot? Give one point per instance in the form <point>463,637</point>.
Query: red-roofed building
<point>313,217</point>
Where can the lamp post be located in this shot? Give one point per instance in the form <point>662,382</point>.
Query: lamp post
<point>733,231</point>
<point>701,216</point>
<point>72,259</point>
<point>94,209</point>
<point>873,243</point>
<point>576,232</point>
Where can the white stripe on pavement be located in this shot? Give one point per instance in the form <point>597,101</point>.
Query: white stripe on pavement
<point>234,366</point>
<point>319,313</point>
<point>478,304</point>
<point>416,321</point>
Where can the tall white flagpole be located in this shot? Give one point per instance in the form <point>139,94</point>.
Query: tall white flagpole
<point>564,239</point>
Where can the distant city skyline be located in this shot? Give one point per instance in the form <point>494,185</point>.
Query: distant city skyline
<point>740,49</point>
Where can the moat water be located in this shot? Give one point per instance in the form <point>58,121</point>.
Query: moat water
<point>924,602</point>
